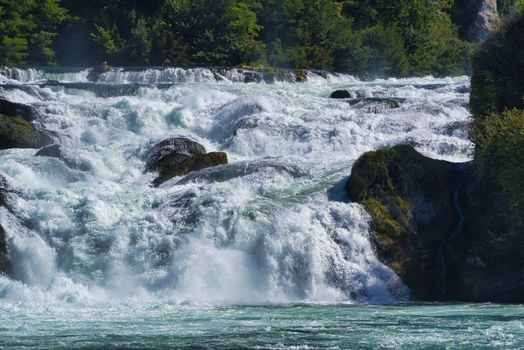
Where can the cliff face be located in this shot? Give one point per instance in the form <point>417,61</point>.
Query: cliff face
<point>475,19</point>
<point>487,20</point>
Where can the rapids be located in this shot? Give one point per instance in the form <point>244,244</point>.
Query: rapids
<point>272,227</point>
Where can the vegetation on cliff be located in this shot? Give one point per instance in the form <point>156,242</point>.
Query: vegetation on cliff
<point>497,81</point>
<point>481,258</point>
<point>358,36</point>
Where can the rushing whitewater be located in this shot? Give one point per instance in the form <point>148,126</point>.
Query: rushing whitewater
<point>274,226</point>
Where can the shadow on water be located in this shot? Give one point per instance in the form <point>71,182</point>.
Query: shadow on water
<point>337,193</point>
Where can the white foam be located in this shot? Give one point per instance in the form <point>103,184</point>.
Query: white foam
<point>98,231</point>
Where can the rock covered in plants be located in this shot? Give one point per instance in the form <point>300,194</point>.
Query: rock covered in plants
<point>411,201</point>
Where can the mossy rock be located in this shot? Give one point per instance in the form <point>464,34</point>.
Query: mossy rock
<point>410,198</point>
<point>183,166</point>
<point>16,132</point>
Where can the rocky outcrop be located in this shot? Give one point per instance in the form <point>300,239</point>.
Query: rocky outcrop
<point>487,20</point>
<point>18,110</point>
<point>444,228</point>
<point>16,132</point>
<point>411,200</point>
<point>475,19</point>
<point>179,156</point>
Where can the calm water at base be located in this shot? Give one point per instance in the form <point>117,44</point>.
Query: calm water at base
<point>169,326</point>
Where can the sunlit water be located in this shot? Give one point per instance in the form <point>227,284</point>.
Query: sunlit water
<point>104,260</point>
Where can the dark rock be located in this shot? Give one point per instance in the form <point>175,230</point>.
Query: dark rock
<point>15,109</point>
<point>269,78</point>
<point>50,151</point>
<point>488,264</point>
<point>321,73</point>
<point>341,94</point>
<point>252,77</point>
<point>411,199</point>
<point>16,132</point>
<point>177,166</point>
<point>169,152</point>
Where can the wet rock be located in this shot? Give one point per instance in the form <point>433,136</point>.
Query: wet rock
<point>50,151</point>
<point>176,166</point>
<point>16,132</point>
<point>342,94</point>
<point>169,152</point>
<point>231,171</point>
<point>411,199</point>
<point>16,109</point>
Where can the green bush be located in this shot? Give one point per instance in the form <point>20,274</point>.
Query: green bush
<point>497,81</point>
<point>499,157</point>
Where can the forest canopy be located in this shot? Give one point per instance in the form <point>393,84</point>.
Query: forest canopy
<point>376,37</point>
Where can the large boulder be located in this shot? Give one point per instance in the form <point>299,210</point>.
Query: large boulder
<point>342,94</point>
<point>412,202</point>
<point>177,148</point>
<point>179,156</point>
<point>16,132</point>
<point>15,109</point>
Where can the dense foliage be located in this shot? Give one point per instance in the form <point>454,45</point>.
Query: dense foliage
<point>497,102</point>
<point>359,36</point>
<point>497,80</point>
<point>500,155</point>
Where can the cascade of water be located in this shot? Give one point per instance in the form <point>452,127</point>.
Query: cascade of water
<point>269,230</point>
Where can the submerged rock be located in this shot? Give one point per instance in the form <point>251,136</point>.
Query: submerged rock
<point>376,104</point>
<point>411,199</point>
<point>231,171</point>
<point>16,132</point>
<point>50,151</point>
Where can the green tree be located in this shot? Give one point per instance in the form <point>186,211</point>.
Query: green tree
<point>27,29</point>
